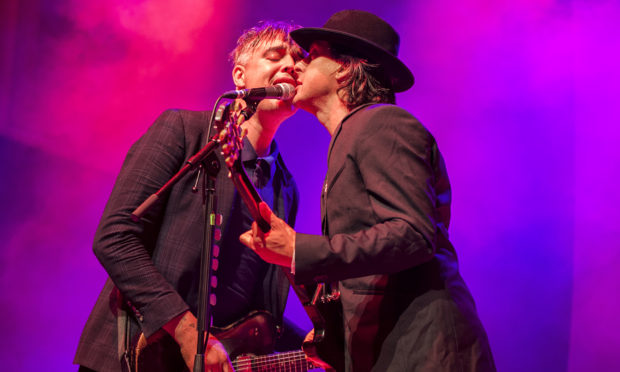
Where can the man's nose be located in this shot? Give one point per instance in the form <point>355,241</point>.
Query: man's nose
<point>288,64</point>
<point>300,66</point>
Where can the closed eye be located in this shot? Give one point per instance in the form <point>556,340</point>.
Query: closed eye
<point>275,54</point>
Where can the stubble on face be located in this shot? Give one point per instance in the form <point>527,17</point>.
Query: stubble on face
<point>318,78</point>
<point>272,61</point>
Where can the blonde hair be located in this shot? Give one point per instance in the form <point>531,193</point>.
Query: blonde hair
<point>264,32</point>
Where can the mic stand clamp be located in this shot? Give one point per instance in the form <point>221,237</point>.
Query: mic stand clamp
<point>250,108</point>
<point>190,164</point>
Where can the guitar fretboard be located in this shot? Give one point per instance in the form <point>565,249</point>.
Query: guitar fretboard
<point>288,361</point>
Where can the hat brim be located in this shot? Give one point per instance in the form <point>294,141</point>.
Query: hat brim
<point>393,68</point>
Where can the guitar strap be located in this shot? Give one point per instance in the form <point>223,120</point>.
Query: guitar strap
<point>122,325</point>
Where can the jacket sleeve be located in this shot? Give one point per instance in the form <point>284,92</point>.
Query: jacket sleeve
<point>392,158</point>
<point>124,247</point>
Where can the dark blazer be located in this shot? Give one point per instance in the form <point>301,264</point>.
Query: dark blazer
<point>386,210</point>
<point>155,263</point>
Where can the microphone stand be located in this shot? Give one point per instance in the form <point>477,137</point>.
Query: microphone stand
<point>207,160</point>
<point>205,302</point>
<point>212,168</point>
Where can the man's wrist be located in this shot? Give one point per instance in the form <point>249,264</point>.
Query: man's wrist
<point>173,323</point>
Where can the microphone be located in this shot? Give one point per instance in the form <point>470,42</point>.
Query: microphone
<point>283,91</point>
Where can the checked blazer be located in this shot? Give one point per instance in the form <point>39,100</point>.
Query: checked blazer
<point>153,265</point>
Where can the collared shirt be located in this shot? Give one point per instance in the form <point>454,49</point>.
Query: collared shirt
<point>260,169</point>
<point>241,271</point>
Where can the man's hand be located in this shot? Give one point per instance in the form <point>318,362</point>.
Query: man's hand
<point>277,245</point>
<point>311,355</point>
<point>216,358</point>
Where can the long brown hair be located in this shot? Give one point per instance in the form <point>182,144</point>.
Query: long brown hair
<point>363,82</point>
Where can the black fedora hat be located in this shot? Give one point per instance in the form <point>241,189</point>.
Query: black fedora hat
<point>365,35</point>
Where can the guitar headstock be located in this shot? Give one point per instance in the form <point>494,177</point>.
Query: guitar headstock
<point>229,119</point>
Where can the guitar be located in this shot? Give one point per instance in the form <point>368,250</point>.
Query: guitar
<point>320,301</point>
<point>244,340</point>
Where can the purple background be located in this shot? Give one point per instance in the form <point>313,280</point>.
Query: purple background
<point>522,97</point>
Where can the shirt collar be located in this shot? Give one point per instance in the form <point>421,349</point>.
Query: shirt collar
<point>248,154</point>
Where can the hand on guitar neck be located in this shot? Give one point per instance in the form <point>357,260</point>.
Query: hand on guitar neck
<point>271,238</point>
<point>274,241</point>
<point>275,246</point>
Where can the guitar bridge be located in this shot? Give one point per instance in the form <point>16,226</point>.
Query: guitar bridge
<point>321,295</point>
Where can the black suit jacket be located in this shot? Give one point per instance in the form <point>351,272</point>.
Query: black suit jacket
<point>386,210</point>
<point>155,263</point>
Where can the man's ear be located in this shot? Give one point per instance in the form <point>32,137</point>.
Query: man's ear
<point>238,75</point>
<point>342,74</point>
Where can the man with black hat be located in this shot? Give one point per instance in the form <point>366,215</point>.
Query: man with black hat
<point>385,210</point>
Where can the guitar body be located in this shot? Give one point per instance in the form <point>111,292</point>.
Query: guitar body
<point>247,342</point>
<point>326,316</point>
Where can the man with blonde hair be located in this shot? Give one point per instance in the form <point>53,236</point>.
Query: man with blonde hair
<point>154,264</point>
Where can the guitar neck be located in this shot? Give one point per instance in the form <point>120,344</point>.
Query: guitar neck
<point>229,119</point>
<point>231,140</point>
<point>286,361</point>
<point>248,193</point>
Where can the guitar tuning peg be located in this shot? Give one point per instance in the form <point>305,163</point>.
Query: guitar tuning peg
<point>216,250</point>
<point>215,264</point>
<point>214,282</point>
<point>212,299</point>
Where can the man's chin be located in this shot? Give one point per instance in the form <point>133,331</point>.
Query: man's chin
<point>287,105</point>
<point>277,105</point>
<point>301,104</point>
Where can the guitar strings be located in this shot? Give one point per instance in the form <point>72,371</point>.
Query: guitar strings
<point>270,367</point>
<point>270,360</point>
<point>303,366</point>
<point>274,359</point>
